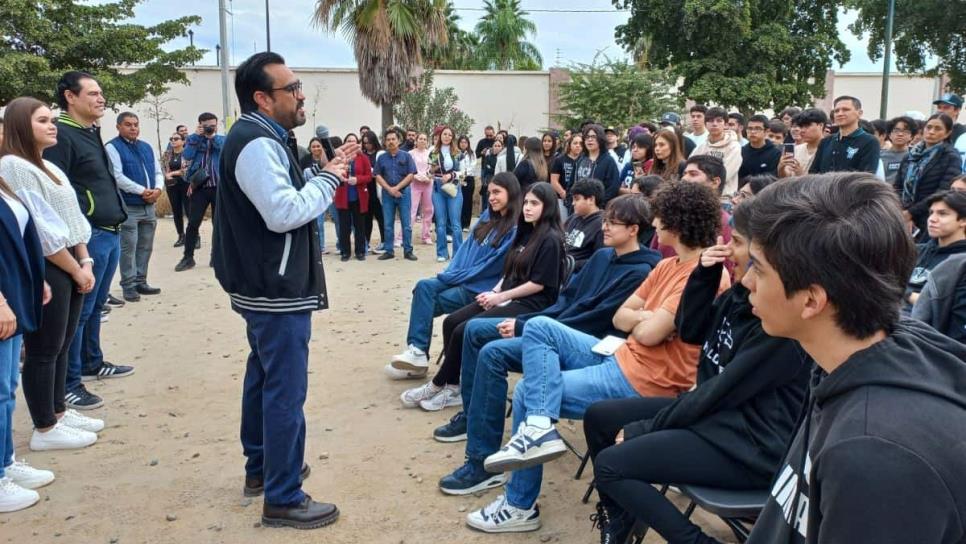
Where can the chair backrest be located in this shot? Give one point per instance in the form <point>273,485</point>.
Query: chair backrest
<point>567,270</point>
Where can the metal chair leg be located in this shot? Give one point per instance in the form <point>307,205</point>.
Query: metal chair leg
<point>583,465</point>
<point>590,490</point>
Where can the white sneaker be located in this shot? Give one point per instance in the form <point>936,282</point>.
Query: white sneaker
<point>529,446</point>
<point>73,418</point>
<point>501,517</point>
<point>441,259</point>
<point>61,437</point>
<point>411,359</point>
<point>396,374</point>
<point>411,397</point>
<point>448,396</point>
<point>27,476</point>
<point>13,497</point>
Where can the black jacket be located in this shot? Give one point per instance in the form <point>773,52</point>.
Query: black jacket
<point>751,386</point>
<point>942,302</point>
<point>937,175</point>
<point>488,165</point>
<point>857,152</point>
<point>930,256</point>
<point>80,154</point>
<point>604,170</point>
<point>885,439</point>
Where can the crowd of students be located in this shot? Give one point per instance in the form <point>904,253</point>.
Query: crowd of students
<point>727,330</point>
<point>712,323</point>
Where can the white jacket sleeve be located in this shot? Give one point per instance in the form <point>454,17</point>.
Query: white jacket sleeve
<point>51,229</point>
<point>262,172</point>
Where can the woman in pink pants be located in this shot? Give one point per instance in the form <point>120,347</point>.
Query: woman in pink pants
<point>422,188</point>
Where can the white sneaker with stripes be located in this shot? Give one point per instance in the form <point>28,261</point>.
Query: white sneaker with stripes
<point>448,396</point>
<point>501,517</point>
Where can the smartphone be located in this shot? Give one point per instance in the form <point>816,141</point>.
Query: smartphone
<point>789,148</point>
<point>608,346</point>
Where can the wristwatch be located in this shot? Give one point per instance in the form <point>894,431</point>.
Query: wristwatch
<point>86,260</point>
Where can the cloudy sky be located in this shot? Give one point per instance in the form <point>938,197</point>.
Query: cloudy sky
<point>562,38</point>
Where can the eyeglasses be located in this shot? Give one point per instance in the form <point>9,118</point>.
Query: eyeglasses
<point>174,139</point>
<point>293,88</point>
<point>901,131</point>
<point>612,223</point>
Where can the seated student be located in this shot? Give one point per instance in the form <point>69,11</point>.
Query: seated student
<point>751,186</point>
<point>777,132</point>
<point>878,457</point>
<point>495,346</point>
<point>958,183</point>
<point>583,234</point>
<point>761,155</point>
<point>729,432</point>
<point>475,268</point>
<point>563,376</point>
<point>532,272</point>
<point>947,236</point>
<point>646,185</point>
<point>942,301</point>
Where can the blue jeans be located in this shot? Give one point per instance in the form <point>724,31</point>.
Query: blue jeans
<point>487,361</point>
<point>85,349</point>
<point>272,421</point>
<point>334,214</point>
<point>389,206</point>
<point>9,371</point>
<point>447,217</point>
<point>432,298</point>
<point>562,377</point>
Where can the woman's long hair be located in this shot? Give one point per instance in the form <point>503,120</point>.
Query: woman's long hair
<point>667,169</point>
<point>529,236</point>
<point>453,148</point>
<point>553,148</point>
<point>469,146</point>
<point>372,139</point>
<point>18,133</point>
<point>499,224</point>
<point>534,147</point>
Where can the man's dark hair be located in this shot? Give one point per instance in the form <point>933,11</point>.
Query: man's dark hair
<point>648,185</point>
<point>71,81</point>
<point>845,233</point>
<point>737,117</point>
<point>759,118</point>
<point>630,210</point>
<point>589,187</point>
<point>643,140</point>
<point>956,200</point>
<point>866,125</point>
<point>715,113</point>
<point>179,127</point>
<point>741,217</point>
<point>124,115</point>
<point>364,128</point>
<point>207,116</point>
<point>757,183</point>
<point>880,126</point>
<point>910,123</point>
<point>855,101</point>
<point>488,127</point>
<point>701,108</point>
<point>790,111</point>
<point>811,116</point>
<point>250,77</point>
<point>691,210</point>
<point>776,125</point>
<point>392,130</point>
<point>712,166</point>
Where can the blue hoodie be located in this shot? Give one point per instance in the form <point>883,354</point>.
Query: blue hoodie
<point>594,294</point>
<point>475,266</point>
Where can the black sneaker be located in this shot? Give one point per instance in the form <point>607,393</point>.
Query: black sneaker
<point>180,241</point>
<point>185,264</point>
<point>106,371</point>
<point>145,289</point>
<point>454,431</point>
<point>410,256</point>
<point>614,527</point>
<point>470,478</point>
<point>131,296</point>
<point>387,256</point>
<point>114,301</point>
<point>344,258</point>
<point>82,399</point>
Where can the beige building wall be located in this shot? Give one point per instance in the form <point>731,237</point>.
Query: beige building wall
<point>906,93</point>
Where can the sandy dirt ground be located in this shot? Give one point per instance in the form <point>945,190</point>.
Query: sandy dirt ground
<point>169,469</point>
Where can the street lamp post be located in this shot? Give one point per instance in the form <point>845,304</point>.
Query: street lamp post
<point>268,30</point>
<point>887,58</point>
<point>191,41</point>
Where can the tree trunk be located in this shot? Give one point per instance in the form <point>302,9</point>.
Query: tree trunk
<point>387,119</point>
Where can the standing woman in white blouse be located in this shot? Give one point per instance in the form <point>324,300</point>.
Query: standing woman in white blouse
<point>64,232</point>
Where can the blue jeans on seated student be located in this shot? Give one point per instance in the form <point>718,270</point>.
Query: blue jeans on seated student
<point>446,214</point>
<point>389,206</point>
<point>562,377</point>
<point>432,298</point>
<point>9,372</point>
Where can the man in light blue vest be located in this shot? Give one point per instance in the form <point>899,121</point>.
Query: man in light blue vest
<point>139,177</point>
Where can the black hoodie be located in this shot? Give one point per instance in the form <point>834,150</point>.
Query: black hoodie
<point>584,236</point>
<point>930,256</point>
<point>886,443</point>
<point>751,387</point>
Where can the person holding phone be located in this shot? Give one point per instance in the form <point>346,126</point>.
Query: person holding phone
<point>761,155</point>
<point>811,124</point>
<point>203,150</point>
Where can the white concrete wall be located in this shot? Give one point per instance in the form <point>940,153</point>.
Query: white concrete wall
<point>515,100</point>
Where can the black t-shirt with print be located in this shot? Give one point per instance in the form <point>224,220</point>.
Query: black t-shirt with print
<point>544,270</point>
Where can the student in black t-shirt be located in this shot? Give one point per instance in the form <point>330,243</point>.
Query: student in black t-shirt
<point>562,169</point>
<point>583,232</point>
<point>531,281</point>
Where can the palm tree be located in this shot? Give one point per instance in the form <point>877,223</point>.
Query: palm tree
<point>387,38</point>
<point>503,33</point>
<point>460,51</point>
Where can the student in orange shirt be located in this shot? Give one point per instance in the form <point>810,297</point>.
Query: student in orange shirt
<point>563,376</point>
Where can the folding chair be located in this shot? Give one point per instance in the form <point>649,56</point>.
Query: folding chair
<point>736,508</point>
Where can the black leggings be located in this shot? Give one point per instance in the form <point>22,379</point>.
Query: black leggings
<point>201,198</point>
<point>352,219</point>
<point>453,325</point>
<point>625,473</point>
<point>178,197</point>
<point>375,214</point>
<point>45,365</point>
<point>466,213</point>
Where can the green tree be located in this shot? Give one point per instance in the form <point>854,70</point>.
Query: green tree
<point>460,50</point>
<point>426,107</point>
<point>387,38</point>
<point>503,31</point>
<point>615,93</point>
<point>751,55</point>
<point>928,36</point>
<point>42,39</point>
